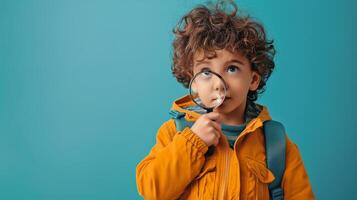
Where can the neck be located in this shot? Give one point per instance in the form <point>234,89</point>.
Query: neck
<point>236,117</point>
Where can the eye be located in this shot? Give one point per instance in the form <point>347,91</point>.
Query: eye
<point>232,69</point>
<point>206,71</point>
<point>207,74</point>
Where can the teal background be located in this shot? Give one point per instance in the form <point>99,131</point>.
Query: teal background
<point>84,86</point>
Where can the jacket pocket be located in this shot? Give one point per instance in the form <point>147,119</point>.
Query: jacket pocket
<point>258,179</point>
<point>204,182</point>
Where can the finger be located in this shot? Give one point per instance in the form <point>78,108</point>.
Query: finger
<point>214,133</point>
<point>216,126</point>
<point>216,141</point>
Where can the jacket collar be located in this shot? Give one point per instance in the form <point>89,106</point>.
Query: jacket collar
<point>185,105</point>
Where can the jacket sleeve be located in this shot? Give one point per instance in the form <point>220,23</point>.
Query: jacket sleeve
<point>295,181</point>
<point>172,163</point>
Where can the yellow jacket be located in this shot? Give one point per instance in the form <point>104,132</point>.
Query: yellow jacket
<point>176,167</point>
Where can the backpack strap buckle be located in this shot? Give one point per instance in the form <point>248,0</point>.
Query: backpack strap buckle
<point>277,194</point>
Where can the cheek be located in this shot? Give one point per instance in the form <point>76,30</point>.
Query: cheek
<point>204,93</point>
<point>238,88</point>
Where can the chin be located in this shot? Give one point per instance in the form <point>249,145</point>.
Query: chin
<point>227,107</point>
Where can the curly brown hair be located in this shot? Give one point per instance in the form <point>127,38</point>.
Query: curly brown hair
<point>212,28</point>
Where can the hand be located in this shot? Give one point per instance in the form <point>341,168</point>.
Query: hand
<point>207,128</point>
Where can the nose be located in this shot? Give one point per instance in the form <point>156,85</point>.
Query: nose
<point>219,85</point>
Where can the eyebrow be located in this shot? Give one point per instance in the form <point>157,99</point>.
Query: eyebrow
<point>229,61</point>
<point>201,62</point>
<point>234,61</point>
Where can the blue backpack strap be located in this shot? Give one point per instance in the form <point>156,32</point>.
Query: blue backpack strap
<point>275,147</point>
<point>180,121</point>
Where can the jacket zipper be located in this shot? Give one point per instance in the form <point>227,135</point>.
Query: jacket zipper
<point>226,172</point>
<point>227,161</point>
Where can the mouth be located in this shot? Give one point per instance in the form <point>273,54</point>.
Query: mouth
<point>220,99</point>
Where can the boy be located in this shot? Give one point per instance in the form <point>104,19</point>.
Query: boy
<point>209,38</point>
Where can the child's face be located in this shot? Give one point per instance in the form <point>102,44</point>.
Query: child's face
<point>235,69</point>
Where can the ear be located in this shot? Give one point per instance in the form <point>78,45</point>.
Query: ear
<point>255,80</point>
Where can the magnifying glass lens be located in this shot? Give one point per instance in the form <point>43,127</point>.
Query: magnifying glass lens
<point>208,90</point>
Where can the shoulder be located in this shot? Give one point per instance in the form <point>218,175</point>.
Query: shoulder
<point>292,151</point>
<point>166,131</point>
<point>168,125</point>
<point>290,144</point>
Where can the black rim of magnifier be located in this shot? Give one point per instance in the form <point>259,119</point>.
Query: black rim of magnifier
<point>220,77</point>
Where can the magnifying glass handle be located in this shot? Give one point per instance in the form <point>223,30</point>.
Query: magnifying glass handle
<point>209,110</point>
<point>210,150</point>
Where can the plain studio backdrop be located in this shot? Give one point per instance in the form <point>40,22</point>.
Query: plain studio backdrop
<point>84,86</point>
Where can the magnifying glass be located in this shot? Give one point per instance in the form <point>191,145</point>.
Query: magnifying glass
<point>208,90</point>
